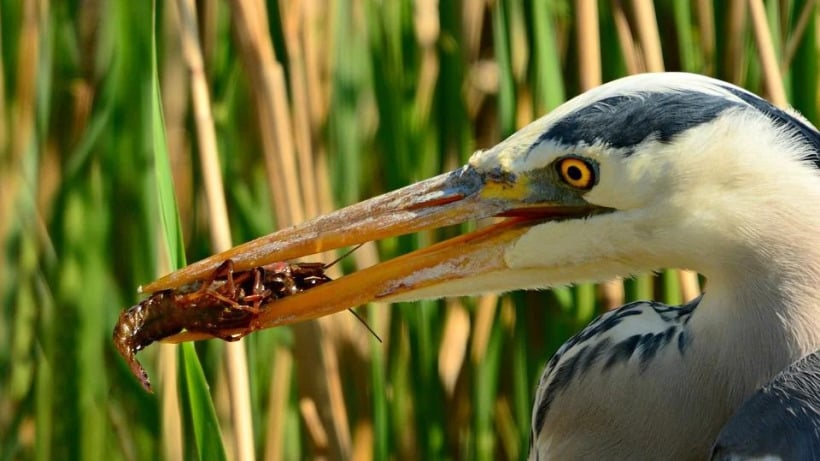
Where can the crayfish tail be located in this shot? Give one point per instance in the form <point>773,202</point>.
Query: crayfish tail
<point>124,337</point>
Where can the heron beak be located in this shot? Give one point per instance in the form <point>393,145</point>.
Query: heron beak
<point>452,198</point>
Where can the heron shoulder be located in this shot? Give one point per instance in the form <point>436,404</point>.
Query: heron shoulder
<point>635,332</point>
<point>780,421</point>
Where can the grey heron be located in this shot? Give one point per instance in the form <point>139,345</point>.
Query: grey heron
<point>647,172</point>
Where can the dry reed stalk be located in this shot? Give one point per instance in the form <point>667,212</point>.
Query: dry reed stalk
<point>336,412</point>
<point>773,80</point>
<point>236,360</point>
<point>171,414</point>
<point>632,59</point>
<point>292,26</point>
<point>647,26</point>
<point>472,23</point>
<point>482,76</point>
<point>175,103</point>
<point>734,58</point>
<point>316,36</point>
<point>342,333</point>
<point>363,439</point>
<point>524,107</point>
<point>267,79</point>
<point>313,339</point>
<point>318,59</point>
<point>208,15</point>
<point>3,122</point>
<point>22,115</point>
<point>689,285</point>
<point>319,383</point>
<point>589,44</point>
<point>315,429</point>
<point>797,34</point>
<point>276,129</point>
<point>26,79</point>
<point>265,75</point>
<point>426,21</point>
<point>611,293</point>
<point>170,411</point>
<point>278,398</point>
<point>296,28</point>
<point>483,325</point>
<point>453,349</point>
<point>174,86</point>
<point>506,428</point>
<point>706,24</point>
<point>206,136</point>
<point>520,50</point>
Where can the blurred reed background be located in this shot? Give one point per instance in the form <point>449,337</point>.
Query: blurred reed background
<point>276,112</point>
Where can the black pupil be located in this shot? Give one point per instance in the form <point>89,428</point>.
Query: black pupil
<point>574,173</point>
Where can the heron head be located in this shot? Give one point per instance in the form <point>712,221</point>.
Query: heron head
<point>664,170</point>
<point>646,172</point>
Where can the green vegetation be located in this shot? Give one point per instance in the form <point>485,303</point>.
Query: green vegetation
<point>296,108</point>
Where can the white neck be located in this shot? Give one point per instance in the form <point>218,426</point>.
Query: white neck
<point>767,314</point>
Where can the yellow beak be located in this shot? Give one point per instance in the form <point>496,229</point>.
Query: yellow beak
<point>451,198</point>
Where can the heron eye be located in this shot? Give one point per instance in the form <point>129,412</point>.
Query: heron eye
<point>576,172</point>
